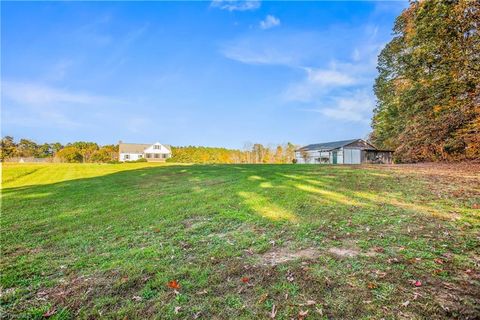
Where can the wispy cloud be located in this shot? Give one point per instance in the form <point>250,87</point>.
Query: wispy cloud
<point>339,88</point>
<point>38,105</point>
<point>236,5</point>
<point>59,70</point>
<point>351,106</point>
<point>269,22</point>
<point>40,95</point>
<point>96,31</point>
<point>271,48</point>
<point>318,81</point>
<point>260,55</point>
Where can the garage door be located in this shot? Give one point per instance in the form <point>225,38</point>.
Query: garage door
<point>351,156</point>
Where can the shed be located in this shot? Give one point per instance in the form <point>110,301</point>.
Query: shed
<point>354,151</point>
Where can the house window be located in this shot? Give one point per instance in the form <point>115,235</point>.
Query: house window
<point>149,155</point>
<point>164,156</point>
<point>157,155</point>
<point>126,157</point>
<point>140,156</point>
<point>156,146</point>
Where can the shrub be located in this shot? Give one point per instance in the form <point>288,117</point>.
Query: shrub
<point>69,154</point>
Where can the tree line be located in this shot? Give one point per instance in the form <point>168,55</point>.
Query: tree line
<point>79,151</point>
<point>428,87</point>
<point>91,152</point>
<point>252,153</point>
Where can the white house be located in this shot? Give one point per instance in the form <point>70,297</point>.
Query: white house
<point>156,152</point>
<point>354,151</point>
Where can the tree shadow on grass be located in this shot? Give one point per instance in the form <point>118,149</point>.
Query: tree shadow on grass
<point>158,221</point>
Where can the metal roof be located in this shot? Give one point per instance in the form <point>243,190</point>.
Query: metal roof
<point>328,145</point>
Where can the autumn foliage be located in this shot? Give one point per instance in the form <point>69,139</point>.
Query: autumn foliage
<point>428,88</point>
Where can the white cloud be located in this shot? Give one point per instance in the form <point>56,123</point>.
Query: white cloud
<point>39,95</point>
<point>269,22</point>
<point>38,105</point>
<point>351,106</point>
<point>236,5</point>
<point>329,77</point>
<point>318,82</point>
<point>267,48</point>
<point>266,55</point>
<point>338,88</point>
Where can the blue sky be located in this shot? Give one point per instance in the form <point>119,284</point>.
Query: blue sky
<point>218,73</point>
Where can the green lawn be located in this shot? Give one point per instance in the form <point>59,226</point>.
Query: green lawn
<point>321,242</point>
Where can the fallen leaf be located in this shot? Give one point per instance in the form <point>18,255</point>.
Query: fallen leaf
<point>249,251</point>
<point>302,314</point>
<point>177,309</point>
<point>310,302</point>
<point>50,312</point>
<point>416,295</point>
<point>245,279</point>
<point>173,284</point>
<point>263,298</point>
<point>439,261</point>
<point>137,298</point>
<point>406,303</point>
<point>417,283</point>
<point>476,206</point>
<point>371,285</point>
<point>392,260</point>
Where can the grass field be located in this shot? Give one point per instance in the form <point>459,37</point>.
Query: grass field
<point>240,241</point>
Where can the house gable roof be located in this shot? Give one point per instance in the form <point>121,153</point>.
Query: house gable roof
<point>132,147</point>
<point>138,147</point>
<point>329,145</point>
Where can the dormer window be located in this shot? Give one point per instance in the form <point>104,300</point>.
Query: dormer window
<point>156,146</point>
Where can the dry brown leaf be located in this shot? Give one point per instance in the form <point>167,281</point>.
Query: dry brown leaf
<point>263,297</point>
<point>50,312</point>
<point>302,314</point>
<point>371,285</point>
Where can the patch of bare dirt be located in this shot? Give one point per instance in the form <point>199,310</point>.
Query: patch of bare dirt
<point>22,251</point>
<point>77,291</point>
<point>349,249</point>
<point>280,255</point>
<point>193,223</point>
<point>344,252</point>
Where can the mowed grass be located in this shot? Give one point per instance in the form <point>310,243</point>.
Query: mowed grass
<point>242,241</point>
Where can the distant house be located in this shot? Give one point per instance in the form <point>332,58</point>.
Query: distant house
<point>156,152</point>
<point>354,151</point>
